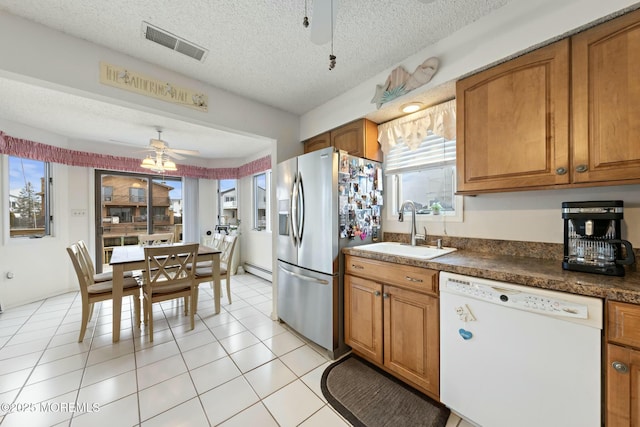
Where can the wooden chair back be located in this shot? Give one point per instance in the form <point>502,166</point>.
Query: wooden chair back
<point>168,266</point>
<point>227,246</point>
<point>155,239</point>
<point>167,276</point>
<point>213,241</point>
<point>84,251</point>
<point>85,278</point>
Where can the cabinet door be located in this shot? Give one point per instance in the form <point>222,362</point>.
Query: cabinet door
<point>513,123</point>
<point>623,388</point>
<point>363,316</point>
<point>349,138</point>
<point>606,101</point>
<point>411,336</point>
<point>318,142</point>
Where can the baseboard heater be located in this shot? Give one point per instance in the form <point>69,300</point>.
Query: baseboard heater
<point>258,271</point>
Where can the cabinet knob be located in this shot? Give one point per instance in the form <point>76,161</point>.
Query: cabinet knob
<point>385,295</point>
<point>561,171</point>
<point>581,168</point>
<point>377,293</point>
<point>620,367</point>
<point>412,279</point>
<point>357,267</point>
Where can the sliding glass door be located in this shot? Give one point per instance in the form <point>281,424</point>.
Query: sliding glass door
<point>128,205</point>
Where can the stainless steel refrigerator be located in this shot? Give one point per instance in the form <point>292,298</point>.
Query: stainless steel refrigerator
<point>327,200</point>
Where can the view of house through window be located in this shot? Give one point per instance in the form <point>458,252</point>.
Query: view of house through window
<point>261,201</point>
<point>228,203</point>
<point>133,204</point>
<point>29,198</point>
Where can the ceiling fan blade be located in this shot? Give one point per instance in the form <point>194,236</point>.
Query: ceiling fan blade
<point>172,153</point>
<point>186,152</point>
<point>323,20</point>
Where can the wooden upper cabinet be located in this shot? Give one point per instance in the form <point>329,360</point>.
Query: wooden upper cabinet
<point>317,142</point>
<point>513,123</point>
<point>358,138</point>
<point>606,101</point>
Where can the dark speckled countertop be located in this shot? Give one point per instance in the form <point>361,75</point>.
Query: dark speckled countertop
<point>487,259</point>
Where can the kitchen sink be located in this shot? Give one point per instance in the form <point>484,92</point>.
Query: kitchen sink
<point>402,249</point>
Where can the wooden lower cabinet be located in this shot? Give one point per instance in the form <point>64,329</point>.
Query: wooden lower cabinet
<point>396,328</point>
<point>623,386</point>
<point>363,324</point>
<point>411,336</point>
<point>622,371</point>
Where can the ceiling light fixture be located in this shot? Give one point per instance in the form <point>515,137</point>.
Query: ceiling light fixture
<point>160,164</point>
<point>412,107</point>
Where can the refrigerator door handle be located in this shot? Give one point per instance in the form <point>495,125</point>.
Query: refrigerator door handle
<point>300,230</point>
<point>293,211</point>
<point>303,277</point>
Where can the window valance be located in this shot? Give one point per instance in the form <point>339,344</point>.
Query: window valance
<point>47,153</point>
<point>413,128</point>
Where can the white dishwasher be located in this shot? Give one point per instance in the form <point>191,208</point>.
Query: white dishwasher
<point>514,355</point>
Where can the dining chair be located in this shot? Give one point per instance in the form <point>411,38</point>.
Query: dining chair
<point>213,241</point>
<point>92,292</point>
<point>97,277</point>
<point>204,270</point>
<point>155,239</point>
<point>166,276</point>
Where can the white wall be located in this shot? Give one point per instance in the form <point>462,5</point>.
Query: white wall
<point>533,216</point>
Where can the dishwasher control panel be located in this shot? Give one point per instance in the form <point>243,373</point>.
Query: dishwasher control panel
<point>516,296</point>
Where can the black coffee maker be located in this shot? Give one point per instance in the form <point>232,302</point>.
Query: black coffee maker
<point>592,238</point>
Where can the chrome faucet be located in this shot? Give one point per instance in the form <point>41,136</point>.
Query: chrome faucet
<point>414,235</point>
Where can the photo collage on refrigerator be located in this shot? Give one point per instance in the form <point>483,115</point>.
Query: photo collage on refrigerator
<point>359,198</point>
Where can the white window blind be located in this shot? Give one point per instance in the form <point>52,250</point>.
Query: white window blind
<point>433,151</point>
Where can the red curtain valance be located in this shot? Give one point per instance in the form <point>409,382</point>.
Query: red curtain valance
<point>47,153</point>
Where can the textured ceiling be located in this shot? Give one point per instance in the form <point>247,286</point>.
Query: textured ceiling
<point>257,49</point>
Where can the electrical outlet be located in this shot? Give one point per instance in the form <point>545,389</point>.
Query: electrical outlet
<point>79,212</point>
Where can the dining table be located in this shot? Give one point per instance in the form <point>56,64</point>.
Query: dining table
<point>131,257</point>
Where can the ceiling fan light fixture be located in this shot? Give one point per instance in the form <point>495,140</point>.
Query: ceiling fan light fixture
<point>169,165</point>
<point>412,107</point>
<point>148,163</point>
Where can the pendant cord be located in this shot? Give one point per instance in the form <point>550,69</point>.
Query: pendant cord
<point>332,57</point>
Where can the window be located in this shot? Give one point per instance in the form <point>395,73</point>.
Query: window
<point>123,214</point>
<point>261,201</point>
<point>29,197</point>
<point>137,195</point>
<point>107,194</point>
<point>227,202</point>
<point>426,176</point>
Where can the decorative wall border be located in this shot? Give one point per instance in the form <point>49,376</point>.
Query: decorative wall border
<point>48,153</point>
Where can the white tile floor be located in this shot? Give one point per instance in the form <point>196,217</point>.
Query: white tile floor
<point>237,368</point>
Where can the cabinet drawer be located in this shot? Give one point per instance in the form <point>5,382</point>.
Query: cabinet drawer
<point>623,323</point>
<point>406,276</point>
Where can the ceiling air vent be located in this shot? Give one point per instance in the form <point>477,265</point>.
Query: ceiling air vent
<point>166,39</point>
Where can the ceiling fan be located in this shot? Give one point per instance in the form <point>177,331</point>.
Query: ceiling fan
<point>161,148</point>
